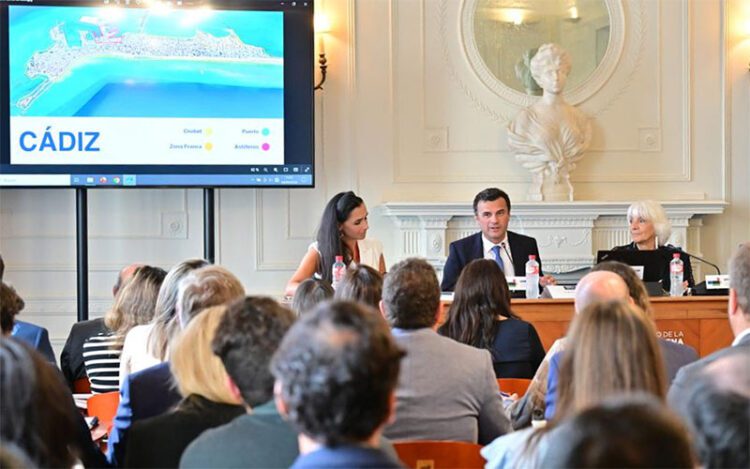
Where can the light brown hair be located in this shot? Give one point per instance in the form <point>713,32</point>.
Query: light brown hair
<point>135,302</point>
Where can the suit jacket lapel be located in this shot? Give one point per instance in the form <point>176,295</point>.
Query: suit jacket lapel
<point>518,252</point>
<point>477,248</point>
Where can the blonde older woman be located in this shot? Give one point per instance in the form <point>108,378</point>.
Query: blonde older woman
<point>207,401</point>
<point>650,230</point>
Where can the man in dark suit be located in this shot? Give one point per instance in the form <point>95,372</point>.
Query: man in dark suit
<point>738,312</point>
<point>510,250</point>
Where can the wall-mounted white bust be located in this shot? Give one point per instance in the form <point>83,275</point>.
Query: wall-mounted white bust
<point>550,136</point>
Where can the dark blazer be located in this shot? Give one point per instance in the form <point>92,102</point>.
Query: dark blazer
<point>516,351</point>
<point>675,357</point>
<point>144,394</point>
<point>465,250</point>
<point>160,441</point>
<point>679,391</point>
<point>37,337</point>
<point>668,250</point>
<point>71,358</point>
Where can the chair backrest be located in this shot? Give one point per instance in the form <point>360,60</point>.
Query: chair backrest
<point>514,385</point>
<point>439,454</point>
<point>103,406</point>
<point>82,386</point>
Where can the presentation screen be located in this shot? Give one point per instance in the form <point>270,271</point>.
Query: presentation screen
<point>156,93</point>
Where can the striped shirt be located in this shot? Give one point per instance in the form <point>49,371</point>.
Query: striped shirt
<point>101,356</point>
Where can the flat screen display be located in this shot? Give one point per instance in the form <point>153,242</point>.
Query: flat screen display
<point>157,94</point>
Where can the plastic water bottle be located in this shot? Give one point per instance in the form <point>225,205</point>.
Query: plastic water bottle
<point>676,271</point>
<point>532,278</point>
<point>338,271</point>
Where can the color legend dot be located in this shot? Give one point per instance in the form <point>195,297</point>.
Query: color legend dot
<point>266,147</point>
<point>265,132</point>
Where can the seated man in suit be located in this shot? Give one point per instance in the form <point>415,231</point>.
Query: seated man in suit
<point>71,358</point>
<point>336,372</point>
<point>510,250</point>
<point>738,309</point>
<point>447,390</point>
<point>151,392</point>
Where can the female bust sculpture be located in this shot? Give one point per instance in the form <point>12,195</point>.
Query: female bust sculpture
<point>550,136</point>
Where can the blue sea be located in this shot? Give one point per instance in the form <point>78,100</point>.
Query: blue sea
<point>147,87</point>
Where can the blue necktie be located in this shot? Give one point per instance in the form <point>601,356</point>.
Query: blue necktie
<point>498,259</point>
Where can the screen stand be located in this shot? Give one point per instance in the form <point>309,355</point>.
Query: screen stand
<point>208,225</point>
<point>82,253</point>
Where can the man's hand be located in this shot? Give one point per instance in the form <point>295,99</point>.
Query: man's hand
<point>547,280</point>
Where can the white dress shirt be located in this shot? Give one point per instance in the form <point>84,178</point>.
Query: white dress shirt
<point>487,246</point>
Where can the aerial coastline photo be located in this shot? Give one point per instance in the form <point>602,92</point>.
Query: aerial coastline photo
<point>132,62</point>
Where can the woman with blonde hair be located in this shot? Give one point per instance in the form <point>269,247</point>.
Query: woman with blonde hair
<point>207,401</point>
<point>611,350</point>
<point>146,345</point>
<point>134,305</point>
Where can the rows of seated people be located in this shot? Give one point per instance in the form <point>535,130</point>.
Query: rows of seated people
<point>210,377</point>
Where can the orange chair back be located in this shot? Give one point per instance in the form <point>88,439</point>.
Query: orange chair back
<point>514,385</point>
<point>439,454</point>
<point>82,386</point>
<point>103,406</point>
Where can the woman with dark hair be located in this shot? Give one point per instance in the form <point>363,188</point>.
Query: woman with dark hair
<point>480,316</point>
<point>309,293</point>
<point>362,284</point>
<point>342,232</point>
<point>36,408</point>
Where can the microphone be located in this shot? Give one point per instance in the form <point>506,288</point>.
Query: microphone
<point>718,271</point>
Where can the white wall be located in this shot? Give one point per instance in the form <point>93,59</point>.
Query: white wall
<point>405,117</point>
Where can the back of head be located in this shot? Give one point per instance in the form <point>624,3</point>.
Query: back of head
<point>205,287</point>
<point>309,294</point>
<point>10,305</point>
<point>246,339</point>
<point>36,407</point>
<point>480,296</point>
<point>612,349</point>
<point>490,195</point>
<point>361,283</point>
<point>601,286</point>
<point>652,211</point>
<point>636,288</point>
<point>165,323</point>
<point>195,367</point>
<point>628,432</point>
<point>336,371</point>
<point>135,302</point>
<point>411,294</point>
<point>739,277</point>
<point>336,212</point>
<point>717,412</point>
<point>124,276</point>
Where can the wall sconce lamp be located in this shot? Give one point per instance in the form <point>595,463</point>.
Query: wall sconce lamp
<point>322,26</point>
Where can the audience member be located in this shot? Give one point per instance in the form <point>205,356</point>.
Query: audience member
<point>738,312</point>
<point>447,390</point>
<point>150,392</point>
<point>480,316</point>
<point>245,340</point>
<point>625,432</point>
<point>675,355</point>
<point>718,412</point>
<point>71,358</point>
<point>134,305</point>
<point>146,344</point>
<point>611,349</point>
<point>592,288</point>
<point>361,283</point>
<point>309,294</point>
<point>207,402</point>
<point>37,413</point>
<point>11,304</point>
<point>336,372</point>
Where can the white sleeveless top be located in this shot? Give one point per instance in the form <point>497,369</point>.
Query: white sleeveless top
<point>370,251</point>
